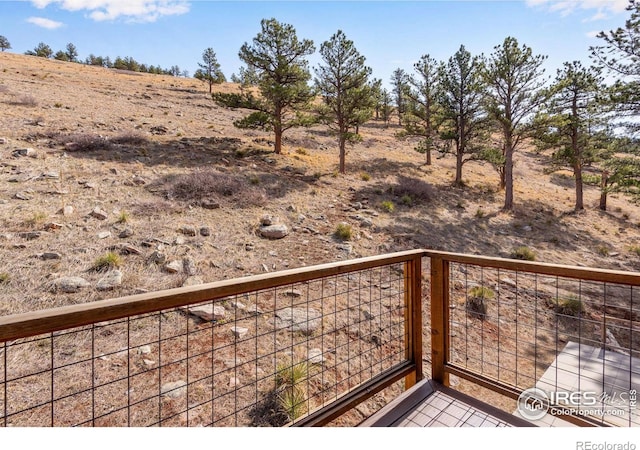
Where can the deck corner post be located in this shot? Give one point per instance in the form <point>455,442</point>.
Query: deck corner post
<point>439,318</point>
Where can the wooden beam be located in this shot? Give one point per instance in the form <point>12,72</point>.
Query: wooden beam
<point>439,318</point>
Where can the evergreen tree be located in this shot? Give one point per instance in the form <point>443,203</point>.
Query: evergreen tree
<point>400,84</point>
<point>514,77</point>
<point>61,56</point>
<point>71,52</point>
<point>4,43</point>
<point>279,59</point>
<point>464,121</point>
<point>41,50</point>
<point>342,82</point>
<point>386,108</point>
<point>210,69</point>
<point>376,94</point>
<point>573,117</point>
<point>420,118</point>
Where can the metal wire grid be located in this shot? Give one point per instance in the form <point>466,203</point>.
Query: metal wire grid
<point>549,332</point>
<point>275,356</point>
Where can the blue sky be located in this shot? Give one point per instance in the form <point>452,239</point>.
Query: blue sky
<point>389,34</point>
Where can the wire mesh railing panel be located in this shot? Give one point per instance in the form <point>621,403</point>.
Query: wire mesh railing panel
<point>575,339</point>
<point>268,357</point>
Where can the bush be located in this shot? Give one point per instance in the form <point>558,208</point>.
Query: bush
<point>476,300</point>
<point>5,278</point>
<point>388,206</point>
<point>570,306</point>
<point>635,249</point>
<point>84,142</point>
<point>207,185</point>
<point>25,100</point>
<point>129,138</point>
<point>407,200</point>
<point>107,261</point>
<point>603,250</point>
<point>343,231</point>
<point>123,217</point>
<point>523,253</point>
<point>417,189</point>
<point>364,176</point>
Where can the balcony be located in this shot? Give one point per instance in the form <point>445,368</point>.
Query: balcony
<point>417,338</point>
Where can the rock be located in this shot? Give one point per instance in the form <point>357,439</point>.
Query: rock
<point>99,213</point>
<point>367,314</point>
<point>128,249</point>
<point>357,206</point>
<point>173,266</point>
<point>238,305</point>
<point>30,235</point>
<point>53,226</point>
<point>239,332</point>
<point>315,356</point>
<point>209,204</point>
<point>50,175</point>
<point>104,234</point>
<point>301,218</point>
<point>148,362</point>
<point>613,344</point>
<point>205,231</point>
<point>192,281</point>
<point>110,281</point>
<point>160,129</point>
<point>274,231</point>
<point>249,246</point>
<point>22,196</point>
<point>348,248</point>
<point>189,266</point>
<point>50,255</point>
<point>267,220</point>
<point>126,233</point>
<point>158,257</point>
<point>188,230</point>
<point>179,240</point>
<point>298,319</point>
<point>265,268</point>
<point>366,222</point>
<point>527,228</point>
<point>254,310</point>
<point>508,281</point>
<point>31,153</point>
<point>4,141</point>
<point>233,382</point>
<point>70,285</point>
<point>208,312</point>
<point>67,210</point>
<point>292,293</point>
<point>138,180</point>
<point>144,350</point>
<point>174,389</point>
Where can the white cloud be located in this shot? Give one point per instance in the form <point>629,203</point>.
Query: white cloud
<point>45,23</point>
<point>592,34</point>
<point>566,7</point>
<point>134,10</point>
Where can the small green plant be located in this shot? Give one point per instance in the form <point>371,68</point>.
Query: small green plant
<point>292,394</point>
<point>57,105</point>
<point>343,231</point>
<point>524,253</point>
<point>37,219</point>
<point>123,217</point>
<point>388,206</point>
<point>570,306</point>
<point>107,261</point>
<point>476,300</point>
<point>479,213</point>
<point>4,278</point>
<point>301,151</point>
<point>334,174</point>
<point>364,176</point>
<point>407,200</point>
<point>288,375</point>
<point>293,401</point>
<point>602,250</point>
<point>254,180</point>
<point>635,249</point>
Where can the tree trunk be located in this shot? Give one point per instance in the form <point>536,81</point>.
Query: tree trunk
<point>342,152</point>
<point>603,190</point>
<point>577,171</point>
<point>508,175</point>
<point>428,155</point>
<point>577,154</point>
<point>210,87</point>
<point>458,181</point>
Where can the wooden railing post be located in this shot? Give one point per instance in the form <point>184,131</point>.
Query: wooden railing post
<point>413,317</point>
<point>439,319</point>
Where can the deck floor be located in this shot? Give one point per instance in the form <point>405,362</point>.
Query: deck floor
<point>431,405</point>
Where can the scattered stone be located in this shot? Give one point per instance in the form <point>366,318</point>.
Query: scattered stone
<point>305,320</point>
<point>254,310</point>
<point>527,228</point>
<point>99,213</point>
<point>138,180</point>
<point>208,312</point>
<point>189,266</point>
<point>366,222</point>
<point>209,204</point>
<point>267,220</point>
<point>30,235</point>
<point>265,268</point>
<point>110,281</point>
<point>273,253</point>
<point>192,281</point>
<point>70,285</point>
<point>301,218</point>
<point>315,356</point>
<point>22,196</point>
<point>173,266</point>
<point>104,234</point>
<point>174,389</point>
<point>274,231</point>
<point>292,208</point>
<point>160,129</point>
<point>613,344</point>
<point>4,141</point>
<point>233,382</point>
<point>188,230</point>
<point>89,186</point>
<point>31,153</point>
<point>205,231</point>
<point>67,210</point>
<point>128,249</point>
<point>53,226</point>
<point>126,233</point>
<point>239,332</point>
<point>238,305</point>
<point>148,362</point>
<point>144,350</point>
<point>158,257</point>
<point>292,293</point>
<point>508,281</point>
<point>348,248</point>
<point>357,205</point>
<point>179,240</point>
<point>50,175</point>
<point>50,255</point>
<point>367,314</point>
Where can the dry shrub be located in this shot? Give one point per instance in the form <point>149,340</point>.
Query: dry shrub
<point>129,138</point>
<point>25,100</point>
<point>82,142</point>
<point>418,190</point>
<point>213,185</point>
<point>156,208</point>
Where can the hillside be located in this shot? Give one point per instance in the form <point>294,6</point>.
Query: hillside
<point>117,159</point>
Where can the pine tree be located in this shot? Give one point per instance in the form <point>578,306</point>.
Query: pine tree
<point>343,83</point>
<point>71,52</point>
<point>386,109</point>
<point>4,43</point>
<point>461,95</point>
<point>279,59</point>
<point>210,69</point>
<point>400,84</point>
<point>420,118</point>
<point>41,50</point>
<point>514,77</point>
